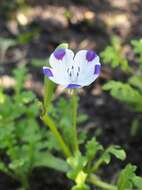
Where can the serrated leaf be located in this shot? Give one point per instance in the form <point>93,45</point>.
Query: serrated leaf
<point>117,152</point>
<point>125,177</point>
<point>92,147</point>
<point>126,93</point>
<point>136,81</point>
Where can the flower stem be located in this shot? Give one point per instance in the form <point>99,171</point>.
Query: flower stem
<point>50,123</point>
<point>97,165</point>
<point>74,107</point>
<point>99,183</point>
<point>48,92</point>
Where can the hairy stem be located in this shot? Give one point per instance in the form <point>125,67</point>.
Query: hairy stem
<point>50,123</point>
<point>74,115</point>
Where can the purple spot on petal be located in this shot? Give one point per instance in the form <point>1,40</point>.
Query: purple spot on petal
<point>47,72</point>
<point>90,55</point>
<point>73,86</point>
<point>59,53</point>
<point>97,69</point>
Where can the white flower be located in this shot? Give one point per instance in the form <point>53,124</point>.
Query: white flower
<point>73,71</point>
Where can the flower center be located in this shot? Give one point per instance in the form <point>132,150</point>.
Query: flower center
<point>73,73</point>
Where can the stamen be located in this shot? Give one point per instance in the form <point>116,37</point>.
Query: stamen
<point>78,69</point>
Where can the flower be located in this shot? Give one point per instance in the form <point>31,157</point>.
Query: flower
<point>73,71</point>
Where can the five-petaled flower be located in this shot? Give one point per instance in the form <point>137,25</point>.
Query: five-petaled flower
<point>73,71</point>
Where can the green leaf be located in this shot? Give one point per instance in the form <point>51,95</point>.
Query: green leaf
<point>92,147</point>
<point>26,37</point>
<point>125,177</point>
<point>117,152</point>
<point>113,55</point>
<point>137,182</point>
<point>46,159</point>
<point>112,150</point>
<point>137,44</point>
<point>124,92</point>
<point>136,81</point>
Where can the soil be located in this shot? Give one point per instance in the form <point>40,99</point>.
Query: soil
<point>87,24</point>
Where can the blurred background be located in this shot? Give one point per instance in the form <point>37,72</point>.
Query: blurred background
<point>31,29</point>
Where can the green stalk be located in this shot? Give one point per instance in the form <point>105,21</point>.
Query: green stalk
<point>97,165</point>
<point>74,115</point>
<point>99,183</point>
<point>50,123</point>
<point>24,183</point>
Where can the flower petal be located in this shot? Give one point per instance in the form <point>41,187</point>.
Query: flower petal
<point>61,58</point>
<point>56,76</point>
<point>89,65</point>
<point>72,86</point>
<point>47,71</point>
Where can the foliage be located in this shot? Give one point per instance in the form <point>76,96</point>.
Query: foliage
<point>128,179</point>
<point>113,55</point>
<point>25,145</point>
<point>129,92</point>
<point>83,165</point>
<point>22,142</point>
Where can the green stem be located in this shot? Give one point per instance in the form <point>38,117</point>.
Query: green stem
<point>50,123</point>
<point>25,183</point>
<point>99,183</point>
<point>97,165</point>
<point>74,107</point>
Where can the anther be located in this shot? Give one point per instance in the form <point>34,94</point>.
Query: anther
<point>79,69</point>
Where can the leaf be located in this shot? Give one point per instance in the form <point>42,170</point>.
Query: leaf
<point>125,177</point>
<point>124,92</point>
<point>137,182</point>
<point>113,55</point>
<point>113,150</point>
<point>136,81</point>
<point>46,159</point>
<point>92,147</point>
<point>137,44</point>
<point>117,152</point>
<point>26,37</point>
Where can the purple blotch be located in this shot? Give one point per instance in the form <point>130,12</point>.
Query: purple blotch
<point>73,86</point>
<point>97,69</point>
<point>90,55</point>
<point>47,72</point>
<point>59,53</point>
